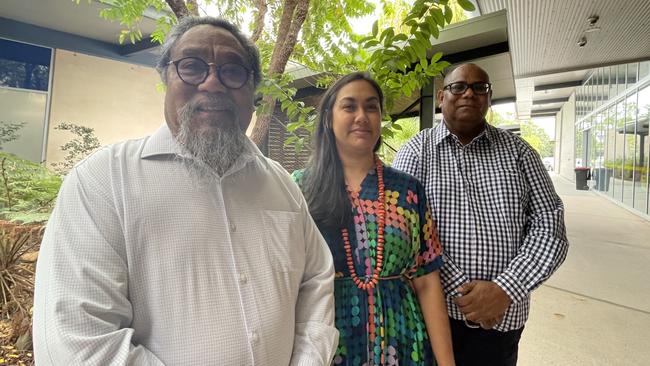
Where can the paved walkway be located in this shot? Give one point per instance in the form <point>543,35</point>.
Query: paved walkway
<point>595,310</point>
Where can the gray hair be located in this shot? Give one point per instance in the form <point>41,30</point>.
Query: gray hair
<point>188,23</point>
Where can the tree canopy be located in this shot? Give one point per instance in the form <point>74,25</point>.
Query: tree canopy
<point>319,35</point>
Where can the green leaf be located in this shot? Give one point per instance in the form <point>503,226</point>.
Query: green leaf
<point>388,32</point>
<point>420,37</point>
<point>410,22</point>
<point>466,5</point>
<point>293,126</point>
<point>375,28</point>
<point>449,14</point>
<point>371,43</point>
<point>400,38</point>
<point>436,57</point>
<point>435,32</point>
<point>438,16</point>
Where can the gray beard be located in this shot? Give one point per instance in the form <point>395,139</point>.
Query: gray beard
<point>216,149</point>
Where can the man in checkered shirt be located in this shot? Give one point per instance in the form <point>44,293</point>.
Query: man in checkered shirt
<point>500,221</point>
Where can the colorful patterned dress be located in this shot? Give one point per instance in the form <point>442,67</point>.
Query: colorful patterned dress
<point>396,334</point>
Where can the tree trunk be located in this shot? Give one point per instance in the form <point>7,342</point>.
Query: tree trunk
<point>293,17</point>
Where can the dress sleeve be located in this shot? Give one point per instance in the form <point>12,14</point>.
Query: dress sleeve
<point>429,256</point>
<point>297,175</point>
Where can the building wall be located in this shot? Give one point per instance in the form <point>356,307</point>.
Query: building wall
<point>119,100</point>
<point>287,156</point>
<point>565,124</point>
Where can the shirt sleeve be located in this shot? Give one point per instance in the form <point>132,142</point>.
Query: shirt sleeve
<point>316,337</point>
<point>407,158</point>
<point>430,254</point>
<point>82,312</point>
<point>545,244</point>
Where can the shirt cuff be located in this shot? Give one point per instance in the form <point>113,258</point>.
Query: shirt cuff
<point>511,285</point>
<point>452,280</point>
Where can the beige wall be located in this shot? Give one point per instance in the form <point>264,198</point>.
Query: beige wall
<point>566,138</point>
<point>119,100</point>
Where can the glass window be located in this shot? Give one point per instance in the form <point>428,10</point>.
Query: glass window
<point>610,152</point>
<point>26,108</point>
<point>641,196</point>
<point>24,66</point>
<point>579,103</point>
<point>644,70</point>
<point>612,82</point>
<point>578,147</point>
<point>630,173</point>
<point>598,95</point>
<point>599,170</point>
<point>605,80</point>
<point>24,82</point>
<point>620,150</point>
<point>632,75</point>
<point>590,94</point>
<point>621,78</point>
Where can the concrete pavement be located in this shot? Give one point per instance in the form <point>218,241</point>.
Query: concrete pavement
<point>595,310</point>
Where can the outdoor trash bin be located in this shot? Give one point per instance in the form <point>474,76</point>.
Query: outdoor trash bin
<point>582,176</point>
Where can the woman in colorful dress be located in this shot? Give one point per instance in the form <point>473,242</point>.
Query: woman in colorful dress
<point>390,308</point>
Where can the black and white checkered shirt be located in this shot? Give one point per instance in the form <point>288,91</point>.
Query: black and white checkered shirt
<point>497,212</point>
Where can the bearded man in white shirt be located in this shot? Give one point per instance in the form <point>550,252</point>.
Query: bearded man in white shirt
<point>187,247</point>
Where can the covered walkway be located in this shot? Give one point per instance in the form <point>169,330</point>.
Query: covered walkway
<point>596,309</point>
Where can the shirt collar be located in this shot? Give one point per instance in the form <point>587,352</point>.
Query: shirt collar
<point>160,143</point>
<point>442,132</point>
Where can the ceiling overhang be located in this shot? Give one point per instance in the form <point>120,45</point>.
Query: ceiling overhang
<point>63,24</point>
<point>555,45</point>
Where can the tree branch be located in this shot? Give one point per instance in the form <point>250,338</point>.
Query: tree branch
<point>259,20</point>
<point>179,8</point>
<point>276,67</point>
<point>192,7</point>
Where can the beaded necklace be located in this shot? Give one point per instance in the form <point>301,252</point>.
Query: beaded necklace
<point>370,283</point>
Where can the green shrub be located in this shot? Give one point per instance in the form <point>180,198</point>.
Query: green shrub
<point>27,189</point>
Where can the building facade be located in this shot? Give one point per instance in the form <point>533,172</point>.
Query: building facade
<point>612,112</point>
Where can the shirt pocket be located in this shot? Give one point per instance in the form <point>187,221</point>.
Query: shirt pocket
<point>283,240</point>
<point>512,183</point>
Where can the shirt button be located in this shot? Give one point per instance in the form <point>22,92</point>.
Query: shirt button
<point>254,337</point>
<point>243,279</point>
<point>233,227</point>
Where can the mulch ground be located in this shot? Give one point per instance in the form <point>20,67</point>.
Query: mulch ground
<point>9,355</point>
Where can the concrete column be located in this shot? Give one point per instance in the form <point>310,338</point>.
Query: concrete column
<point>427,105</point>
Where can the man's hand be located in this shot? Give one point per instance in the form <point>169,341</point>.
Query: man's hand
<point>483,302</point>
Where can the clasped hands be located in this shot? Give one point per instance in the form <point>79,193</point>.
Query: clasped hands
<point>483,302</point>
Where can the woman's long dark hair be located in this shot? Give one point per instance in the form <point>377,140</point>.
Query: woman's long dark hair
<point>323,183</point>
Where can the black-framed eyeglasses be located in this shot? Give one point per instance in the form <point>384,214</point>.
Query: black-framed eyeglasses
<point>459,88</point>
<point>194,71</point>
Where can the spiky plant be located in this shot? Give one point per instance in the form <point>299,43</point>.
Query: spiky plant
<point>16,273</point>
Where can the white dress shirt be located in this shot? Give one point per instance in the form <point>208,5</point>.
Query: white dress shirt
<point>143,263</point>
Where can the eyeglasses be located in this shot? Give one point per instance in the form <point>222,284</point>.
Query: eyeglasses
<point>194,71</point>
<point>460,87</point>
